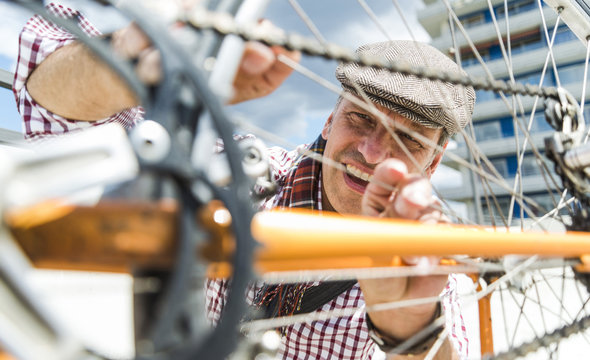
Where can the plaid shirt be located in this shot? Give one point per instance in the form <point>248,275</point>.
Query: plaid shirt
<point>299,179</point>
<point>38,39</point>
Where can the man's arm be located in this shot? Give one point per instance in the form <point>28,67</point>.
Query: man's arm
<point>412,200</point>
<point>73,83</point>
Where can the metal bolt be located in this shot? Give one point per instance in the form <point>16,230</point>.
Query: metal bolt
<point>151,141</point>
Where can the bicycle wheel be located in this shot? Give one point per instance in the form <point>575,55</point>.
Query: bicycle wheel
<point>164,297</point>
<point>522,41</point>
<point>509,187</point>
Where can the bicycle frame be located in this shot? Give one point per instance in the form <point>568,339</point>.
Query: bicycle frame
<point>144,237</point>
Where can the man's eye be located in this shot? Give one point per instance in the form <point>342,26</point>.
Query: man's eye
<point>362,120</point>
<point>362,116</point>
<point>408,139</point>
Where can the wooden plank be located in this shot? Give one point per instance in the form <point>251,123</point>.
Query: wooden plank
<point>113,236</point>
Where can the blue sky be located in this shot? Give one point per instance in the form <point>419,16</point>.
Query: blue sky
<point>299,108</point>
<point>11,20</point>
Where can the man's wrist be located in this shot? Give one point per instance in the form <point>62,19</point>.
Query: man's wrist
<point>415,345</point>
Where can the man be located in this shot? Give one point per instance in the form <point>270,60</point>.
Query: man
<point>367,134</point>
<point>357,136</point>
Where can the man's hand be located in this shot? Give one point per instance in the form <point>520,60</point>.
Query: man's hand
<point>412,199</point>
<point>260,72</point>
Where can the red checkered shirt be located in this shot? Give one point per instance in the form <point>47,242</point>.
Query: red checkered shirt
<point>38,39</point>
<point>337,338</point>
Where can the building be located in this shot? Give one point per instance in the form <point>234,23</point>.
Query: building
<point>493,125</point>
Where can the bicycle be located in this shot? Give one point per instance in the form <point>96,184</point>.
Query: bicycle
<point>483,168</point>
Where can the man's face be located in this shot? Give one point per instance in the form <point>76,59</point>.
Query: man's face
<point>358,140</point>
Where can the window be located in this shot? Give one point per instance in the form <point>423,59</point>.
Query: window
<point>572,73</point>
<point>540,123</point>
<point>491,50</point>
<point>473,20</point>
<point>547,202</point>
<point>526,43</point>
<point>487,131</point>
<point>564,34</point>
<point>500,165</point>
<point>530,166</point>
<point>503,202</point>
<point>514,8</point>
<point>535,79</point>
<point>468,58</point>
<point>484,95</point>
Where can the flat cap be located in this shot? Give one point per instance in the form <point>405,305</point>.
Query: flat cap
<point>434,104</point>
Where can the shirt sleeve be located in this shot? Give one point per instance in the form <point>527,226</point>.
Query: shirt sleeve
<point>38,39</point>
<point>215,299</point>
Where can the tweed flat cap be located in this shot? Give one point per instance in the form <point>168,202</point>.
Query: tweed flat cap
<point>433,104</point>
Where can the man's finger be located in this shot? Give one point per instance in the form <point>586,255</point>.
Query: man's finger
<point>257,58</point>
<point>130,41</point>
<point>149,66</point>
<point>413,199</point>
<point>378,195</point>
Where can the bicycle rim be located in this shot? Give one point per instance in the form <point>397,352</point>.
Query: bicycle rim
<point>515,188</point>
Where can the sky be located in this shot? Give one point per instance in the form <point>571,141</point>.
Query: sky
<point>12,19</point>
<point>299,108</point>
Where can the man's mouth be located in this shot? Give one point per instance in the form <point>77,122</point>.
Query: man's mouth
<point>356,178</point>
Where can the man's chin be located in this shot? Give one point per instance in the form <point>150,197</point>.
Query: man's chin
<point>349,205</point>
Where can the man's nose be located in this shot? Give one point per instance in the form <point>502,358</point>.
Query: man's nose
<point>376,147</point>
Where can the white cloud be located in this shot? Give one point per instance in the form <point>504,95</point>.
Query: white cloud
<point>14,17</point>
<point>277,115</point>
<point>364,30</point>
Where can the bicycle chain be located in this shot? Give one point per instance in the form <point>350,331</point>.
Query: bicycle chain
<point>225,24</point>
<point>545,341</point>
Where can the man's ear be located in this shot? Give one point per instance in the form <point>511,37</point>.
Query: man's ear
<point>327,127</point>
<point>435,161</point>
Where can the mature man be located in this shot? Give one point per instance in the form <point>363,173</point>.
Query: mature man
<point>385,126</point>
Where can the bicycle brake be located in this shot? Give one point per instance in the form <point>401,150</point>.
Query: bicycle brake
<point>256,166</point>
<point>566,148</point>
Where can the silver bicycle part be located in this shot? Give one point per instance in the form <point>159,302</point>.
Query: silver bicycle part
<point>103,155</point>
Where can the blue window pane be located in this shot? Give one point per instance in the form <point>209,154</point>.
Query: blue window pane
<point>483,96</point>
<point>507,127</point>
<point>564,34</point>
